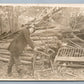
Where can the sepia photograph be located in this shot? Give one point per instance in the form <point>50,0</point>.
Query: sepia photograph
<point>41,42</point>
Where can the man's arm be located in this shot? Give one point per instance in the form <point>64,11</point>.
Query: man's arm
<point>27,37</point>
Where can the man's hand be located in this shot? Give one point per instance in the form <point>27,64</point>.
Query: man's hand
<point>35,49</point>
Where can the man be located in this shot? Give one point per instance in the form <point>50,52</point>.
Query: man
<point>17,46</point>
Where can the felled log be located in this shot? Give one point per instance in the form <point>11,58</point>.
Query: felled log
<point>7,60</point>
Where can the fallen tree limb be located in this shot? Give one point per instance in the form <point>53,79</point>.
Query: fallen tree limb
<point>75,43</point>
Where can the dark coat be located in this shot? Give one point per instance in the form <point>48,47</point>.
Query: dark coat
<point>20,42</point>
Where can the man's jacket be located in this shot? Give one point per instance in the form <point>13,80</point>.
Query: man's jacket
<point>20,42</point>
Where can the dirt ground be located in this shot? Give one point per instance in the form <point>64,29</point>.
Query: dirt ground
<point>42,74</point>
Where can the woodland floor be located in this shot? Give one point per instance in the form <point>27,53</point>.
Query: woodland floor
<point>64,74</point>
<point>40,72</point>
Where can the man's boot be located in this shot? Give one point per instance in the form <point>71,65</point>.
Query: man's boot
<point>20,73</point>
<point>9,71</point>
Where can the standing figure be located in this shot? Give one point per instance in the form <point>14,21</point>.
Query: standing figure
<point>17,46</point>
